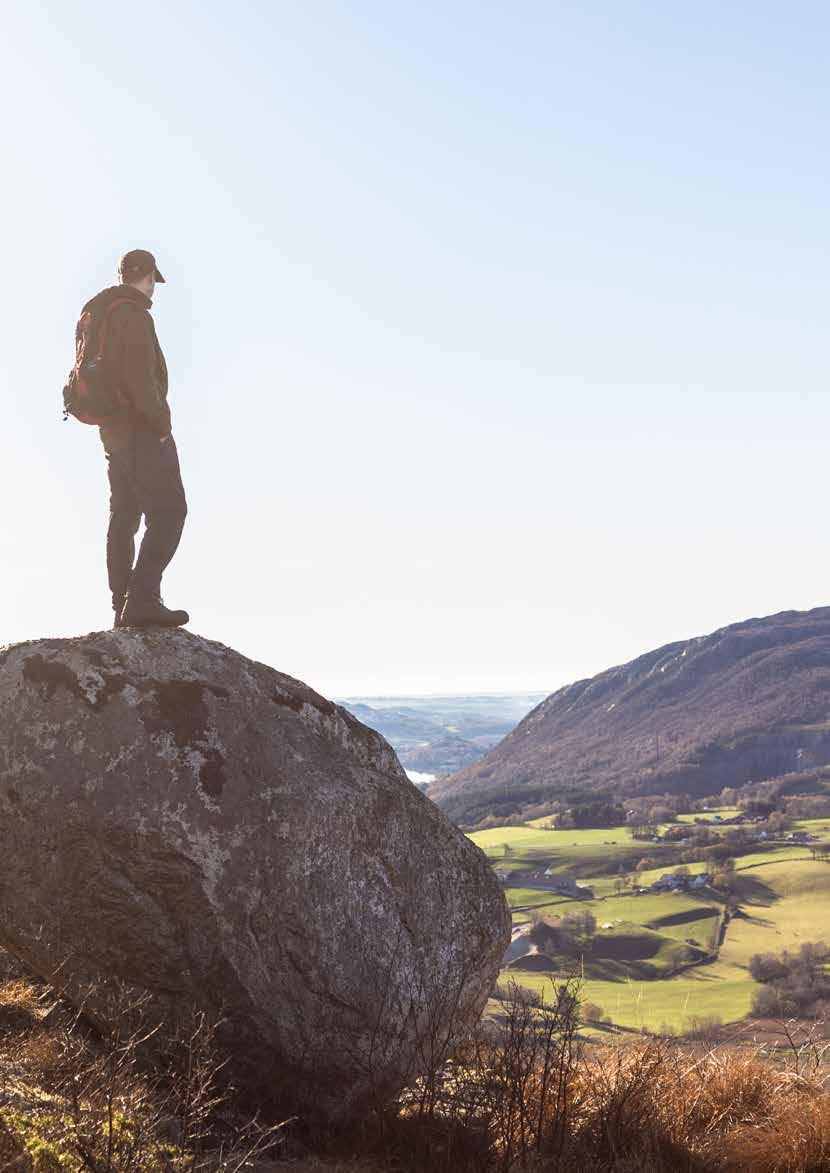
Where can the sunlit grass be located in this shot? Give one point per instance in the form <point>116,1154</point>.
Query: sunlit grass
<point>784,896</point>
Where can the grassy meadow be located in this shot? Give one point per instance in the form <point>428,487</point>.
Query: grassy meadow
<point>657,960</point>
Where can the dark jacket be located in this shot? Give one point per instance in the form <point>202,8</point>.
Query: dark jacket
<point>133,355</point>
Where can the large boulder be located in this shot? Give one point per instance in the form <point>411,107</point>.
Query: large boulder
<point>181,819</point>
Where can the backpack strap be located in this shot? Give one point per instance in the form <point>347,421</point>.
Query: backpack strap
<point>102,332</point>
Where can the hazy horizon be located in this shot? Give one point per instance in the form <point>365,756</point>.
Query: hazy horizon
<point>426,696</point>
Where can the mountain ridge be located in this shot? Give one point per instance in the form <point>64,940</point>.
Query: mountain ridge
<point>747,702</point>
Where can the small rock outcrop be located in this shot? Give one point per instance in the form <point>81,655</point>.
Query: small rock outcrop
<point>199,826</point>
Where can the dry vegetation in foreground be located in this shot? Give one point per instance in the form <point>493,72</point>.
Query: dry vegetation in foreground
<point>523,1094</point>
<point>72,1100</point>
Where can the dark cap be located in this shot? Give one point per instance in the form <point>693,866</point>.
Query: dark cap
<point>137,264</point>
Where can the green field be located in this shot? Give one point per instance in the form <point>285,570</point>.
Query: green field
<point>717,990</point>
<point>676,915</point>
<point>588,853</point>
<point>725,812</point>
<point>534,898</point>
<point>629,969</point>
<point>539,842</point>
<point>783,905</point>
<point>820,827</point>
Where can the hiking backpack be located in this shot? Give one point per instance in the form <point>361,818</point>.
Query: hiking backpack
<point>91,393</point>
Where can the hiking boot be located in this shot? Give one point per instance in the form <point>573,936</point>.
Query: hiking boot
<point>150,611</point>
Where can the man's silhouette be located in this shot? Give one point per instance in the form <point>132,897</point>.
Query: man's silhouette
<point>142,460</point>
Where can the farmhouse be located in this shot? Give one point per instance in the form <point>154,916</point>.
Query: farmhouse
<point>671,882</point>
<point>566,885</point>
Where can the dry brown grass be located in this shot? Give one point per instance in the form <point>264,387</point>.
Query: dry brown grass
<point>315,1165</point>
<point>796,1139</point>
<point>520,1097</point>
<point>533,1101</point>
<point>656,1108</point>
<point>20,1006</point>
<point>79,1100</point>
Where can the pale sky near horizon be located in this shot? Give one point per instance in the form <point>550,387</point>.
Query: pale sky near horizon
<point>496,332</point>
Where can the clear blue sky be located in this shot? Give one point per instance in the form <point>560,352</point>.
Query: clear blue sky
<point>496,332</point>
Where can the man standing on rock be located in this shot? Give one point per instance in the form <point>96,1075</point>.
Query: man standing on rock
<point>143,463</point>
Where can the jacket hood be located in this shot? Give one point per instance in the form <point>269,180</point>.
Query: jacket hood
<point>102,299</point>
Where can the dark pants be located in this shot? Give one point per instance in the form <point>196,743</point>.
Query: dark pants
<point>144,481</point>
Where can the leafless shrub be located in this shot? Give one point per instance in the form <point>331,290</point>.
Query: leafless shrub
<point>802,1050</point>
<point>517,1093</point>
<point>500,1095</point>
<point>523,1072</point>
<point>112,1110</point>
<point>703,1028</point>
<point>535,1101</point>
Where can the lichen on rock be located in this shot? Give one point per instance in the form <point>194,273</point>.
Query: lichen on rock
<point>182,819</point>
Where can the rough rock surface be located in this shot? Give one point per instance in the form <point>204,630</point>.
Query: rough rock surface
<point>197,825</point>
